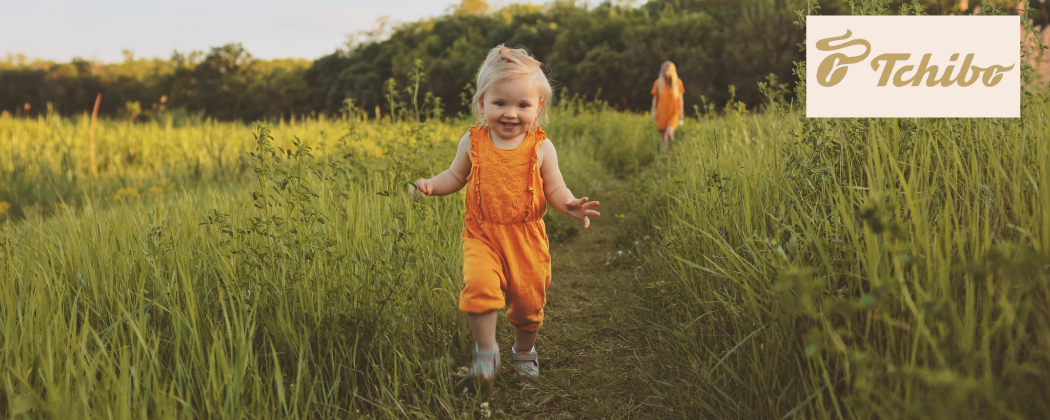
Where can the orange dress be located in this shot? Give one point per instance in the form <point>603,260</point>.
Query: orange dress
<point>506,256</point>
<point>667,106</point>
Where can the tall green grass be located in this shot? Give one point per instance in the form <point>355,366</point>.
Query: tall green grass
<point>284,273</point>
<point>45,162</point>
<point>852,268</point>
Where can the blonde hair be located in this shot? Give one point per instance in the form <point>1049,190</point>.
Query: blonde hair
<point>674,78</point>
<point>505,63</point>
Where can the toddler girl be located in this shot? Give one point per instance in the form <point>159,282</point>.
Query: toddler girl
<point>512,171</point>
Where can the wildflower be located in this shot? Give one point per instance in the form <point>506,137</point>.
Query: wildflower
<point>125,192</point>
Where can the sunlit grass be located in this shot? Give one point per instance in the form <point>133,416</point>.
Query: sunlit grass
<point>210,270</point>
<point>854,267</point>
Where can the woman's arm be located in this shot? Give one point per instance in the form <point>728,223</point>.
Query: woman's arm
<point>653,112</point>
<point>452,179</point>
<point>554,189</point>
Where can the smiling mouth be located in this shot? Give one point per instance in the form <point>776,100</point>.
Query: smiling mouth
<point>509,126</point>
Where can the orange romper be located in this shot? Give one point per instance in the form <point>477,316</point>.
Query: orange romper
<point>506,258</point>
<point>667,106</point>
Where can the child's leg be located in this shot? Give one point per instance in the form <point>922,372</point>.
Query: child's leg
<point>524,341</point>
<point>483,284</point>
<point>482,295</point>
<point>528,268</point>
<point>483,327</point>
<point>486,357</point>
<point>670,136</point>
<point>525,360</point>
<point>663,140</point>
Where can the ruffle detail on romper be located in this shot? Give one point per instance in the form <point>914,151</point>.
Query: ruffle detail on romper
<point>477,134</point>
<point>534,165</point>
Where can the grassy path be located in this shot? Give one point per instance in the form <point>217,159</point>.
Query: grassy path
<point>592,345</point>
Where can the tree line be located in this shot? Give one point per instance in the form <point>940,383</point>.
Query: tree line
<point>227,83</point>
<point>611,52</point>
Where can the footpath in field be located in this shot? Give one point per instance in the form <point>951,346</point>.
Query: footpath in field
<point>592,346</point>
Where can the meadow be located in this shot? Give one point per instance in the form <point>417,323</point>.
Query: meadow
<point>777,266</point>
<point>854,268</point>
<point>225,270</point>
<point>786,266</point>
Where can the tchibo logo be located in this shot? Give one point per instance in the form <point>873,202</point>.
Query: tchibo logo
<point>913,66</point>
<point>828,75</point>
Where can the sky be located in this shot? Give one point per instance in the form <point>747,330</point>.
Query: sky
<point>59,30</point>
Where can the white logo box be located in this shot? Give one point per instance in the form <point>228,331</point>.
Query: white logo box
<point>991,39</point>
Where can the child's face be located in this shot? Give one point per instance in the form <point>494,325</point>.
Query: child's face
<point>511,106</point>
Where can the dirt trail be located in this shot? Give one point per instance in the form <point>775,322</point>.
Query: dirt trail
<point>592,345</point>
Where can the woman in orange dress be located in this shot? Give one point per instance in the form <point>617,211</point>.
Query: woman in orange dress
<point>668,106</point>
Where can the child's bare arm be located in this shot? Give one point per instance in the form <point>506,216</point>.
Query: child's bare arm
<point>558,195</point>
<point>452,179</point>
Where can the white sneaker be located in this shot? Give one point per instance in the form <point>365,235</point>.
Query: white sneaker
<point>527,364</point>
<point>486,364</point>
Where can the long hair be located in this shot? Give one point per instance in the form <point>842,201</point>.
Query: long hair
<point>660,80</point>
<point>505,63</point>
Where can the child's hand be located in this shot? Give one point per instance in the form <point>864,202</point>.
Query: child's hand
<point>580,209</point>
<point>423,186</point>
